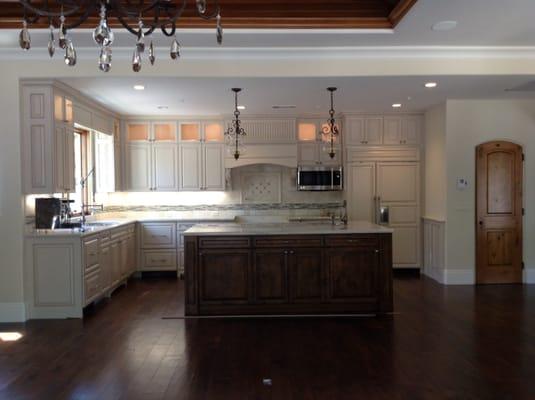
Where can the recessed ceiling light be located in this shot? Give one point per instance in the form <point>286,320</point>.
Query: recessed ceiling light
<point>139,87</point>
<point>241,107</point>
<point>444,26</point>
<point>396,105</point>
<point>431,85</point>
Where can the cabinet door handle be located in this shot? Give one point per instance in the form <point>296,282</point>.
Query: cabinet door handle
<point>376,250</point>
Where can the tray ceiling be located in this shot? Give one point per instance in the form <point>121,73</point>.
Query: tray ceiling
<point>283,14</point>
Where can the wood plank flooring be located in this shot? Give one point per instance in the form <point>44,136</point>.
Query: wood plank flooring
<point>442,343</point>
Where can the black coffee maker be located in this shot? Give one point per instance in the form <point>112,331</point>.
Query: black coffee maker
<point>51,212</point>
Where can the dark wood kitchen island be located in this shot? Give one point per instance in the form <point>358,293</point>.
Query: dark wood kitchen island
<point>294,268</point>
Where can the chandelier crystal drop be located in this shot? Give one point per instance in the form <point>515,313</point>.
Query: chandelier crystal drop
<point>152,56</point>
<point>201,6</point>
<point>70,54</point>
<point>103,35</point>
<point>235,133</point>
<point>136,60</point>
<point>175,49</point>
<point>140,44</point>
<point>51,45</point>
<point>68,15</point>
<point>24,36</point>
<point>330,131</point>
<point>219,30</point>
<point>62,35</point>
<point>104,60</point>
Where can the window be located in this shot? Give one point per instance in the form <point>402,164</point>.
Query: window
<point>83,164</point>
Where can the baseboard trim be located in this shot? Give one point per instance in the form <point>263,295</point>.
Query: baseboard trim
<point>529,275</point>
<point>435,274</point>
<point>460,276</point>
<point>12,312</point>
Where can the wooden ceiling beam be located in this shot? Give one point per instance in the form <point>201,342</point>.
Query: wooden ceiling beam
<point>276,14</point>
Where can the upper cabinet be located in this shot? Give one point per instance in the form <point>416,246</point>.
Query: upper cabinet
<point>63,108</point>
<point>47,140</point>
<point>197,132</point>
<point>378,130</point>
<point>138,132</point>
<point>312,147</point>
<point>402,130</point>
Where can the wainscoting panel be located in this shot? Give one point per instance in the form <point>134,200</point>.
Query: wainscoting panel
<point>434,249</point>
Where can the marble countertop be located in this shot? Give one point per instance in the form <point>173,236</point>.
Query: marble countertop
<point>291,228</point>
<point>103,224</point>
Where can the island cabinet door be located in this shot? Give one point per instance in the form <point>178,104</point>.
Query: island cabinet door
<point>306,275</point>
<point>352,274</point>
<point>270,276</point>
<point>224,276</point>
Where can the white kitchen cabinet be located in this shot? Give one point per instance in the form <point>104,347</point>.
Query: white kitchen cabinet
<point>47,140</point>
<point>151,156</point>
<point>392,186</point>
<point>402,130</point>
<point>164,167</point>
<point>213,167</point>
<point>202,166</point>
<point>364,131</point>
<point>311,149</point>
<point>66,273</point>
<point>138,167</point>
<point>158,246</point>
<point>191,166</point>
<point>151,167</point>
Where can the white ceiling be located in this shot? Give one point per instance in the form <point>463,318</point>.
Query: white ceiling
<point>212,96</point>
<point>480,23</point>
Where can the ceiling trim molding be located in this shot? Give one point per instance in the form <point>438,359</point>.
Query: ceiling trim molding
<point>304,53</point>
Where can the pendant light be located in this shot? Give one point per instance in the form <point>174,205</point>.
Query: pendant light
<point>330,130</point>
<point>235,133</point>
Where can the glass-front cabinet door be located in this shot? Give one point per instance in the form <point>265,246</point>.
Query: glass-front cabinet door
<point>138,132</point>
<point>213,132</point>
<point>164,131</point>
<point>190,131</point>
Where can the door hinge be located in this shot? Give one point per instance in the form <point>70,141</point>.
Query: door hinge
<point>523,266</point>
<point>523,211</point>
<point>523,157</point>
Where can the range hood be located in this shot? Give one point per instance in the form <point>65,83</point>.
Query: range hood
<point>275,154</point>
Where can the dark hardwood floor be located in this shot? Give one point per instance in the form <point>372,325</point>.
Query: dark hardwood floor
<point>442,343</point>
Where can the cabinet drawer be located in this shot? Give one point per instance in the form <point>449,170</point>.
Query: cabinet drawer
<point>158,235</point>
<point>91,252</point>
<point>92,285</point>
<point>159,260</point>
<point>351,241</point>
<point>223,242</point>
<point>287,241</point>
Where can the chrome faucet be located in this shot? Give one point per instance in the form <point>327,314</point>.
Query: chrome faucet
<point>344,218</point>
<point>83,182</point>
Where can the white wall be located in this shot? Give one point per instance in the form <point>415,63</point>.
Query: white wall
<point>469,123</point>
<point>435,163</point>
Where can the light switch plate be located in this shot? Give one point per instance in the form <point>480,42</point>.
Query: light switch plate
<point>462,184</point>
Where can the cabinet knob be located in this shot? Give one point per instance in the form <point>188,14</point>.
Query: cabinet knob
<point>376,250</point>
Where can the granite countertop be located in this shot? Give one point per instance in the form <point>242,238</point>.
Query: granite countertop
<point>292,228</point>
<point>101,225</point>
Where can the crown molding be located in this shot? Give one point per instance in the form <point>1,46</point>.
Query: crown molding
<point>302,53</point>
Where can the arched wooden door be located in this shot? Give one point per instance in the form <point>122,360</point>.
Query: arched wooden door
<point>499,170</point>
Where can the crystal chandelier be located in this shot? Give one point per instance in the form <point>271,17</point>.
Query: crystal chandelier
<point>141,18</point>
<point>330,130</point>
<point>235,133</point>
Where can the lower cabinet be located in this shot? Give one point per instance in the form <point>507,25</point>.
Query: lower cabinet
<point>66,273</point>
<point>224,276</point>
<point>259,275</point>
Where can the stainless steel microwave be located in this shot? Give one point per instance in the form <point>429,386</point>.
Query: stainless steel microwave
<point>319,178</point>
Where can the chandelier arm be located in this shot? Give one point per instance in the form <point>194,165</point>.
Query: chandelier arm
<point>80,21</point>
<point>44,13</point>
<point>217,10</point>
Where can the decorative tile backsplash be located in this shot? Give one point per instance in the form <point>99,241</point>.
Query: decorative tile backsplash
<point>261,187</point>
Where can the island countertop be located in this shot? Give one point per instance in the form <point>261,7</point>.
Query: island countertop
<point>293,228</point>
